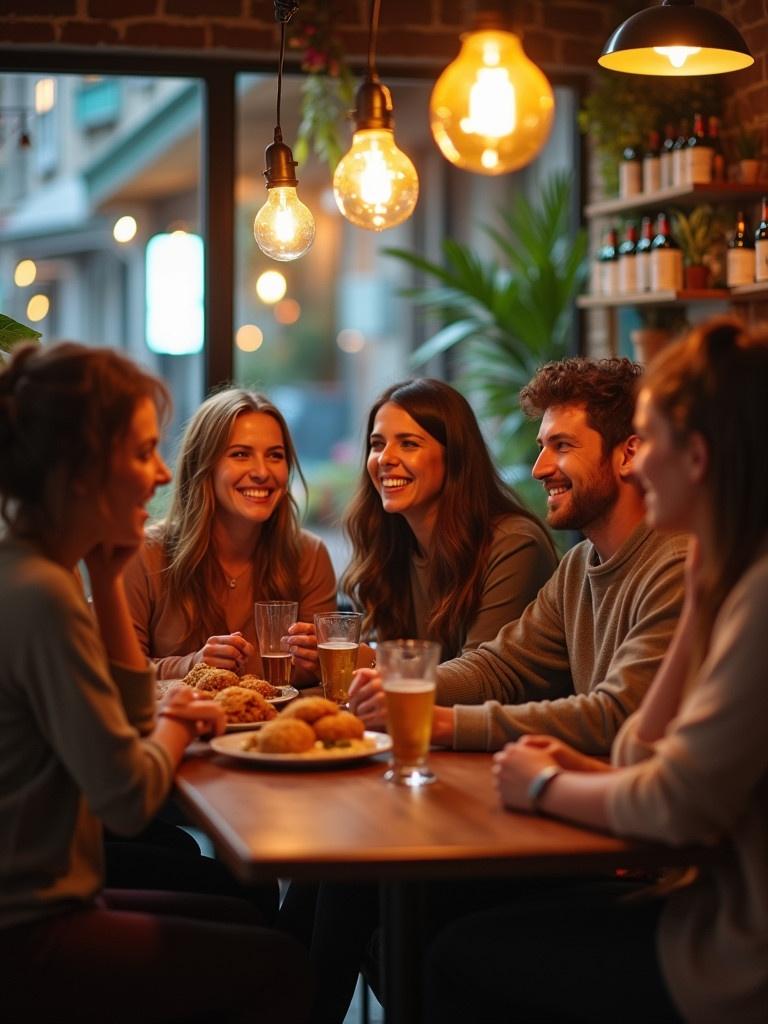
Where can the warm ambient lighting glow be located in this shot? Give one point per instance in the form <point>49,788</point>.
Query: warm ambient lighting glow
<point>45,95</point>
<point>676,38</point>
<point>271,286</point>
<point>249,338</point>
<point>284,228</point>
<point>125,229</point>
<point>287,312</point>
<point>25,273</point>
<point>375,184</point>
<point>350,340</point>
<point>492,109</point>
<point>37,308</point>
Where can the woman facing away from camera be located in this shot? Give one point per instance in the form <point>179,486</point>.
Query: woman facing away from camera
<point>231,538</point>
<point>80,743</point>
<point>442,550</point>
<point>690,766</point>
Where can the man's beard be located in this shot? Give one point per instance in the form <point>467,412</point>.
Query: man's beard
<point>594,500</point>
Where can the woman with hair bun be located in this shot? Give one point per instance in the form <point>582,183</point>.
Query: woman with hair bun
<point>231,538</point>
<point>81,744</point>
<point>442,548</point>
<point>688,767</point>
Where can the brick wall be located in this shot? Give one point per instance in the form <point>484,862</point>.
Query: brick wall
<point>562,34</point>
<point>747,103</point>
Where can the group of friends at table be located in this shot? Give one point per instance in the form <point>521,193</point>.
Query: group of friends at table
<point>622,688</point>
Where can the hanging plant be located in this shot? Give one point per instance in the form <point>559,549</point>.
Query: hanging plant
<point>328,90</point>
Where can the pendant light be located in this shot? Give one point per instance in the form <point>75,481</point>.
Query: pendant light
<point>491,109</point>
<point>676,38</point>
<point>375,184</point>
<point>284,227</point>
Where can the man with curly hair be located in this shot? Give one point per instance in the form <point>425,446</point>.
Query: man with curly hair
<point>579,659</point>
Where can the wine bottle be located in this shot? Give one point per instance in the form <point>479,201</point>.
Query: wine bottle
<point>666,158</point>
<point>630,173</point>
<point>643,256</point>
<point>699,154</point>
<point>679,155</point>
<point>627,261</point>
<point>761,243</point>
<point>666,259</point>
<point>609,264</point>
<point>652,164</point>
<point>718,157</point>
<point>740,258</point>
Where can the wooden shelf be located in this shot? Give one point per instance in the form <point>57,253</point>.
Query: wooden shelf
<point>666,298</point>
<point>750,292</point>
<point>682,195</point>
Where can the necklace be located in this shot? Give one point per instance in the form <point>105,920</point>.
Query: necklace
<point>232,581</point>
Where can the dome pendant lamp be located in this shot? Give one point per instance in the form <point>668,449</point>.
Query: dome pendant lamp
<point>284,227</point>
<point>375,184</point>
<point>676,38</point>
<point>492,108</point>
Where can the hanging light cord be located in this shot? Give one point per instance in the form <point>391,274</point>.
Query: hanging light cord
<point>372,31</point>
<point>284,11</point>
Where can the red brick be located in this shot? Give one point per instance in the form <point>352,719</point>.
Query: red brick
<point>758,101</point>
<point>579,53</point>
<point>237,37</point>
<point>27,31</point>
<point>756,38</point>
<point>180,36</point>
<point>111,10</point>
<point>88,33</point>
<point>540,46</point>
<point>204,8</point>
<point>40,8</point>
<point>578,19</point>
<point>350,12</point>
<point>403,13</point>
<point>751,11</point>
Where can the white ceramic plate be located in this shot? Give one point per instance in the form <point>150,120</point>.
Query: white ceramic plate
<point>244,726</point>
<point>373,743</point>
<point>289,692</point>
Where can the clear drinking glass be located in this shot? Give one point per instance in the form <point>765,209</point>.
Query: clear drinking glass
<point>273,620</point>
<point>338,641</point>
<point>408,677</point>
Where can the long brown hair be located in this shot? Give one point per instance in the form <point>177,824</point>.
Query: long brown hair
<point>473,499</point>
<point>193,574</point>
<point>715,383</point>
<point>62,409</point>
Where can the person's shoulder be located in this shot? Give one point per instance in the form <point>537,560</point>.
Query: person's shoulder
<point>666,545</point>
<point>513,526</point>
<point>310,542</point>
<point>33,584</point>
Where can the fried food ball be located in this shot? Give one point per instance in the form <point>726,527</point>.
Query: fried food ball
<point>209,679</point>
<point>286,736</point>
<point>242,705</point>
<point>309,709</point>
<point>251,682</point>
<point>341,726</point>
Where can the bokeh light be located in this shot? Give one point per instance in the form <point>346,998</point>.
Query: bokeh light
<point>271,286</point>
<point>25,273</point>
<point>37,307</point>
<point>125,229</point>
<point>287,312</point>
<point>249,338</point>
<point>350,340</point>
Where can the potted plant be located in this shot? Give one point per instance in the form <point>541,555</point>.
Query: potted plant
<point>507,317</point>
<point>660,324</point>
<point>749,150</point>
<point>699,234</point>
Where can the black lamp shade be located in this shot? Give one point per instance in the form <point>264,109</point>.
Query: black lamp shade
<point>676,23</point>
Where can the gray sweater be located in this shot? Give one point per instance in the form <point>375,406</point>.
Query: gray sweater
<point>579,659</point>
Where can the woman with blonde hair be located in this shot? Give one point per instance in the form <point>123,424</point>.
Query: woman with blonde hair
<point>231,538</point>
<point>442,548</point>
<point>83,743</point>
<point>689,767</point>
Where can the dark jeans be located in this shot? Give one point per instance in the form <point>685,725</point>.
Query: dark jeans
<point>581,955</point>
<point>153,957</point>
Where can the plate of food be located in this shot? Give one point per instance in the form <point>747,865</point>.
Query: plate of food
<point>286,693</point>
<point>310,732</point>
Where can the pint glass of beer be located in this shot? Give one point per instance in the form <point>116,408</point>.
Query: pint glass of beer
<point>408,677</point>
<point>338,641</point>
<point>273,620</point>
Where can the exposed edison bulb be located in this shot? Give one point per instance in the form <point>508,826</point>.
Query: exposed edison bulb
<point>677,55</point>
<point>491,110</point>
<point>375,184</point>
<point>284,227</point>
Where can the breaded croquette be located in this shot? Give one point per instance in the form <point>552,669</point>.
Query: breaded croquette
<point>242,705</point>
<point>341,726</point>
<point>251,682</point>
<point>209,679</point>
<point>309,709</point>
<point>286,736</point>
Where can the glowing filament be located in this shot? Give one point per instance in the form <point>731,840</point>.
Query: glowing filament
<point>492,110</point>
<point>677,55</point>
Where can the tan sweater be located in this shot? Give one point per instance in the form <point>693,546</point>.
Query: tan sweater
<point>160,624</point>
<point>70,753</point>
<point>579,659</point>
<point>707,781</point>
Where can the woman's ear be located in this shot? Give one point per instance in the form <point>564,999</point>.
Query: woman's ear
<point>698,457</point>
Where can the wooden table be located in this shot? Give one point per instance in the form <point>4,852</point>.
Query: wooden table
<point>348,824</point>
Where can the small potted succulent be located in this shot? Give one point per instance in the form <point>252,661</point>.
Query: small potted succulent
<point>700,234</point>
<point>749,146</point>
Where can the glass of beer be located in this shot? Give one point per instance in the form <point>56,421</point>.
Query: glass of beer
<point>408,678</point>
<point>273,620</point>
<point>338,641</point>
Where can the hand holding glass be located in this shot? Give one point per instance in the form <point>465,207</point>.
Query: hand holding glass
<point>338,641</point>
<point>273,620</point>
<point>407,670</point>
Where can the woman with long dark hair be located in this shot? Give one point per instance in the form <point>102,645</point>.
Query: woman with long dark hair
<point>689,767</point>
<point>231,538</point>
<point>442,548</point>
<point>81,742</point>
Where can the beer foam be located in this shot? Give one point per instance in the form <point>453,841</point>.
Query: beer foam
<point>408,685</point>
<point>337,645</point>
